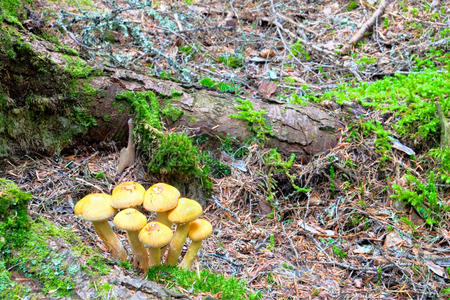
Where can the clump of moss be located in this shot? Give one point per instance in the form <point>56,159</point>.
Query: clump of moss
<point>13,10</point>
<point>28,247</point>
<point>14,221</point>
<point>14,227</point>
<point>205,281</point>
<point>168,154</point>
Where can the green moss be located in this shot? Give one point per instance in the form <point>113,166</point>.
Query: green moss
<point>43,106</point>
<point>76,67</point>
<point>256,121</point>
<point>170,154</point>
<point>26,247</point>
<point>204,281</point>
<point>14,221</point>
<point>409,97</point>
<point>67,50</point>
<point>172,113</point>
<point>13,10</point>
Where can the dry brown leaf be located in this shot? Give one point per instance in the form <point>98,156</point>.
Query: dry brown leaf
<point>393,239</point>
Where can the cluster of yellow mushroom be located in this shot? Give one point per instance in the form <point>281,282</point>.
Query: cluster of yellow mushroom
<point>170,208</point>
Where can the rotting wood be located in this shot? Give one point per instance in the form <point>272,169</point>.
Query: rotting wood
<point>302,130</point>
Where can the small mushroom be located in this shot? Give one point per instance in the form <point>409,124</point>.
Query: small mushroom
<point>133,221</point>
<point>186,211</point>
<point>161,198</point>
<point>127,194</point>
<point>97,209</point>
<point>155,235</point>
<point>199,230</point>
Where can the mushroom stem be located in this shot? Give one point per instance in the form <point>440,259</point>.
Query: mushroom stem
<point>162,218</point>
<point>177,243</point>
<point>155,256</point>
<point>190,255</point>
<point>108,237</point>
<point>140,253</point>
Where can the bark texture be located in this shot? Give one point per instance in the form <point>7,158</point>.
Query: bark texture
<point>304,130</point>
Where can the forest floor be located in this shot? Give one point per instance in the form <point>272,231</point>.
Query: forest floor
<point>345,237</point>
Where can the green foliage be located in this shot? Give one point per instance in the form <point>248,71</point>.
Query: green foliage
<point>423,197</point>
<point>175,155</point>
<point>171,154</point>
<point>276,165</point>
<point>352,5</point>
<point>67,50</point>
<point>256,121</point>
<point>233,147</point>
<point>204,281</point>
<point>409,97</point>
<point>207,82</point>
<point>298,50</point>
<point>221,86</point>
<point>298,100</point>
<point>216,168</point>
<point>338,251</point>
<point>382,142</point>
<point>443,163</point>
<point>232,60</point>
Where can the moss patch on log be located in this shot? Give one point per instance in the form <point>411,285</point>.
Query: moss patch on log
<point>44,103</point>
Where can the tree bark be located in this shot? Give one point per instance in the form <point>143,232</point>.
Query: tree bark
<point>303,130</point>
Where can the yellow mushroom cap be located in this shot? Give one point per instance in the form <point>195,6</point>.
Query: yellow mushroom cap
<point>78,209</point>
<point>97,207</point>
<point>127,194</point>
<point>186,211</point>
<point>155,235</point>
<point>199,230</point>
<point>161,197</point>
<point>130,219</point>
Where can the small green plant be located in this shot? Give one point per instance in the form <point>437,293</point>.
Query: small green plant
<point>275,165</point>
<point>221,86</point>
<point>298,100</point>
<point>256,121</point>
<point>271,246</point>
<point>81,116</point>
<point>409,223</point>
<point>232,60</point>
<point>298,50</point>
<point>423,197</point>
<point>207,82</point>
<point>204,281</point>
<point>338,251</point>
<point>352,5</point>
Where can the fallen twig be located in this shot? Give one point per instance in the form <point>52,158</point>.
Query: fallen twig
<point>365,27</point>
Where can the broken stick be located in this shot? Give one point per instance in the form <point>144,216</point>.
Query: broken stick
<point>365,27</point>
<point>127,154</point>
